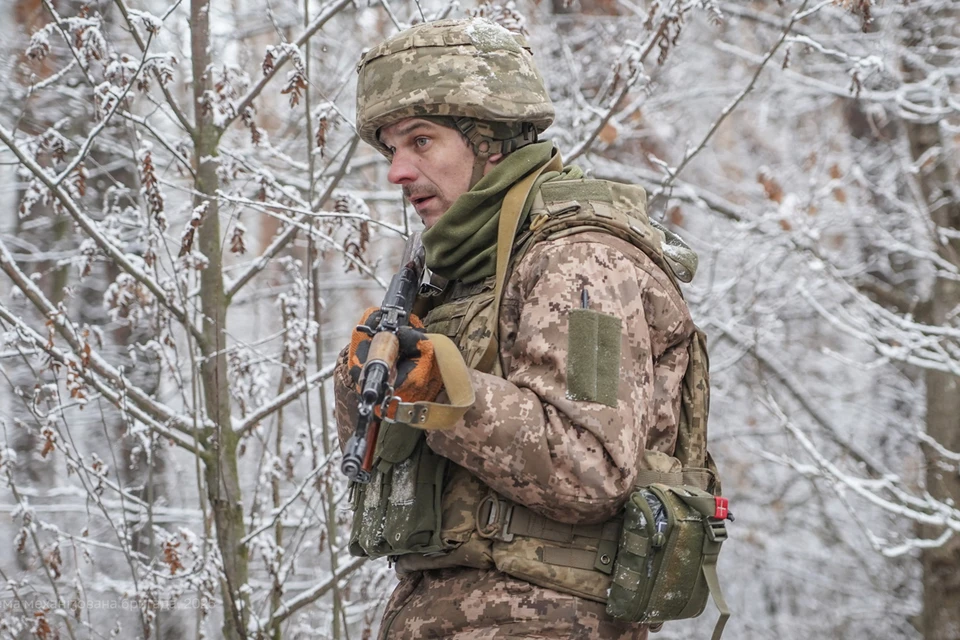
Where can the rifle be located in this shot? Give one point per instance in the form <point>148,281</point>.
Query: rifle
<point>375,386</point>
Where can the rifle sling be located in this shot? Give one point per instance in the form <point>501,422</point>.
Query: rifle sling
<point>456,383</point>
<point>453,370</point>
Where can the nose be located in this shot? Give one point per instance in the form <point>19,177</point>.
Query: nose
<point>402,169</point>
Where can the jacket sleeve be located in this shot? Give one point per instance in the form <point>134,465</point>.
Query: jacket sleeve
<point>572,460</point>
<point>345,398</point>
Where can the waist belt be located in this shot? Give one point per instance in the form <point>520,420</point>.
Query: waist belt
<point>581,546</point>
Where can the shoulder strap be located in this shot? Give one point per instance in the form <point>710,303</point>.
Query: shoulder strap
<point>509,219</point>
<point>711,549</point>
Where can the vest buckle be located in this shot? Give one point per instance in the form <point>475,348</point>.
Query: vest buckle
<point>495,513</point>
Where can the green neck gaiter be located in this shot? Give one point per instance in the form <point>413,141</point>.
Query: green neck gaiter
<point>462,245</point>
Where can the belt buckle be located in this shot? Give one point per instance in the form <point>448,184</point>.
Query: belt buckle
<point>497,525</point>
<point>409,413</point>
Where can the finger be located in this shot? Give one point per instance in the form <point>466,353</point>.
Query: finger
<point>373,320</point>
<point>404,367</point>
<point>354,373</point>
<point>371,317</point>
<point>363,350</point>
<point>409,340</point>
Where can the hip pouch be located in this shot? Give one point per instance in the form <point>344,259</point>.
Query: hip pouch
<point>666,564</point>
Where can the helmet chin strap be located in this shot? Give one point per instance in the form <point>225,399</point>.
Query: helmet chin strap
<point>479,163</point>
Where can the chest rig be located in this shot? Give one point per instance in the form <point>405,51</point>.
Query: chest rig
<point>429,513</point>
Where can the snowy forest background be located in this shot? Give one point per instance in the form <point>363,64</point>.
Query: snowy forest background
<point>189,229</point>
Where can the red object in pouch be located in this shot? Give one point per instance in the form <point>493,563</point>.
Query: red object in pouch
<point>722,509</point>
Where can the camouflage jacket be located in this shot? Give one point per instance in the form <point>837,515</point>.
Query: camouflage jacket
<point>574,461</point>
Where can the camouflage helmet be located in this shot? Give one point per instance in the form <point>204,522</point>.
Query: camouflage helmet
<point>468,69</point>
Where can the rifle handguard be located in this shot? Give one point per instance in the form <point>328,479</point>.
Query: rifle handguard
<point>381,359</point>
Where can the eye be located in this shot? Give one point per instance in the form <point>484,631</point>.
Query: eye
<point>421,141</point>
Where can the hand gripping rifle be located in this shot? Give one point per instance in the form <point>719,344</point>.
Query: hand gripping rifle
<point>375,385</point>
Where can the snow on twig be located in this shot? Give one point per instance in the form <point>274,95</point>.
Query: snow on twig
<point>690,154</point>
<point>82,350</point>
<point>330,10</point>
<point>92,229</point>
<point>288,396</point>
<point>937,514</point>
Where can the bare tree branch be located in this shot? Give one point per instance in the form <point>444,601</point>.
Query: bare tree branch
<point>288,396</point>
<point>81,348</point>
<point>90,227</point>
<point>797,15</point>
<point>312,595</point>
<point>281,241</point>
<point>334,7</point>
<point>181,118</point>
<point>108,391</point>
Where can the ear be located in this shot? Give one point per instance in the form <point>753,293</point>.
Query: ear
<point>493,160</point>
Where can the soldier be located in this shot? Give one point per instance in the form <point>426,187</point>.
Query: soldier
<point>504,526</point>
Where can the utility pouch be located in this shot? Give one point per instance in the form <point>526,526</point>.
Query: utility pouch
<point>399,511</point>
<point>412,514</point>
<point>366,536</point>
<point>667,556</point>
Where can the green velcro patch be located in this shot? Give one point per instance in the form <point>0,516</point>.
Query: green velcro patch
<point>593,357</point>
<point>579,190</point>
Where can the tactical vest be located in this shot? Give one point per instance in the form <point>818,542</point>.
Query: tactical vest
<point>429,513</point>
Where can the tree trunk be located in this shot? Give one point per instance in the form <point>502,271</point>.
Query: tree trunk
<point>220,467</point>
<point>941,566</point>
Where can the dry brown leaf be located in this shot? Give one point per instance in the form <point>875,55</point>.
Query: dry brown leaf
<point>771,187</point>
<point>608,134</point>
<point>676,217</point>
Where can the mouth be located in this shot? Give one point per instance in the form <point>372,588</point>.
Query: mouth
<point>420,201</point>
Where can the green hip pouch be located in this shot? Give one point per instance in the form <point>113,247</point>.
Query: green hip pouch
<point>666,566</point>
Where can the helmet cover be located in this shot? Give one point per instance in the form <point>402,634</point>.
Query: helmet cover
<point>470,68</point>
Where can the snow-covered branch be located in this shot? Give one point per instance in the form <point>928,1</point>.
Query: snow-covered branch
<point>92,229</point>
<point>288,396</point>
<point>330,10</point>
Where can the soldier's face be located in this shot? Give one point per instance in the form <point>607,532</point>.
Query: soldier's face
<point>432,163</point>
